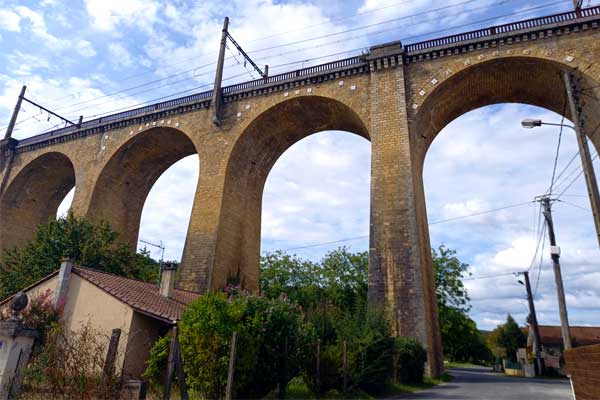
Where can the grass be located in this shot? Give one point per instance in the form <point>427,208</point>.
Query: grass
<point>456,364</point>
<point>298,390</point>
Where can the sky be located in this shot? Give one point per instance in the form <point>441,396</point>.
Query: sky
<point>95,57</point>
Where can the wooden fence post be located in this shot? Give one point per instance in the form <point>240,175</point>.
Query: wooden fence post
<point>345,365</point>
<point>170,365</point>
<point>111,354</point>
<point>318,383</point>
<point>231,372</point>
<point>180,372</point>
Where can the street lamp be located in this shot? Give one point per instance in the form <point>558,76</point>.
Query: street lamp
<point>531,123</point>
<point>586,163</point>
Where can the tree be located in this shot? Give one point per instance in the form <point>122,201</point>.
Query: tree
<point>449,286</point>
<point>90,244</point>
<point>462,341</point>
<point>338,285</point>
<point>508,338</point>
<point>341,278</point>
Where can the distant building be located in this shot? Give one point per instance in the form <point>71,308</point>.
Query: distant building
<point>143,311</point>
<point>552,341</point>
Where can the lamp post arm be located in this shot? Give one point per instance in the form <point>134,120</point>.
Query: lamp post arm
<point>563,125</point>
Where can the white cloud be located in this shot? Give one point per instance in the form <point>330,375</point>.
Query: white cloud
<point>39,29</point>
<point>9,20</point>
<point>120,56</point>
<point>85,48</point>
<point>107,14</point>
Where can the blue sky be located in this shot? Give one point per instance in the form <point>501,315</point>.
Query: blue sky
<point>97,56</point>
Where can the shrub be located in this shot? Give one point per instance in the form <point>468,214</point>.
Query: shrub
<point>410,360</point>
<point>157,362</point>
<point>271,340</point>
<point>40,314</point>
<point>369,351</point>
<point>70,366</point>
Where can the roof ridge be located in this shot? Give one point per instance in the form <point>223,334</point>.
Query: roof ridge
<point>127,277</point>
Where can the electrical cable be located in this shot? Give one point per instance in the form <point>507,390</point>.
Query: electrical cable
<point>575,205</point>
<point>558,146</point>
<point>374,33</point>
<point>431,223</point>
<point>537,280</point>
<point>574,179</point>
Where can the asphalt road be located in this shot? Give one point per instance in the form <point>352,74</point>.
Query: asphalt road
<point>480,384</point>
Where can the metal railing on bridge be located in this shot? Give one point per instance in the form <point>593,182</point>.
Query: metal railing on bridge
<point>504,29</point>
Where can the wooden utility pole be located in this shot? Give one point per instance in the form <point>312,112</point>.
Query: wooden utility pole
<point>555,253</point>
<point>586,159</point>
<point>534,327</point>
<point>13,118</point>
<point>217,96</point>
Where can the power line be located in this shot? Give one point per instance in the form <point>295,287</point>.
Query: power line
<point>575,205</point>
<point>479,213</point>
<point>328,35</point>
<point>431,223</point>
<point>337,33</point>
<point>539,274</point>
<point>574,180</point>
<point>475,278</point>
<point>562,121</point>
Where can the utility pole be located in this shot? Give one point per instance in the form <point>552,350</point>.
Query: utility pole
<point>584,151</point>
<point>217,97</point>
<point>577,4</point>
<point>13,118</point>
<point>555,253</point>
<point>534,327</point>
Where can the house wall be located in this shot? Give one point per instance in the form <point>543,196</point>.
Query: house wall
<point>582,365</point>
<point>144,331</point>
<point>88,304</point>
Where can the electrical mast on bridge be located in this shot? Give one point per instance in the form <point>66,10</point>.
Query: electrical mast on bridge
<point>217,96</point>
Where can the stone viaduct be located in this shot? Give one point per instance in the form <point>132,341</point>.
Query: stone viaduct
<point>398,97</point>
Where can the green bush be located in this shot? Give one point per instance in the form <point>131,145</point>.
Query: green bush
<point>369,351</point>
<point>271,340</point>
<point>157,362</point>
<point>410,360</point>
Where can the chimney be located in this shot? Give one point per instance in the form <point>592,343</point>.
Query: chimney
<point>167,279</point>
<point>62,283</point>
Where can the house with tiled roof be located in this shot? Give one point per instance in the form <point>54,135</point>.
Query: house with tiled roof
<point>552,342</point>
<point>142,311</point>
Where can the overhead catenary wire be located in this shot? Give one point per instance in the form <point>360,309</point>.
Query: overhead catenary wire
<point>345,52</point>
<point>431,223</point>
<point>374,33</point>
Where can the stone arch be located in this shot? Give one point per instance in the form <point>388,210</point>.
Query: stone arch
<point>253,155</point>
<point>526,80</point>
<point>125,180</point>
<point>33,197</point>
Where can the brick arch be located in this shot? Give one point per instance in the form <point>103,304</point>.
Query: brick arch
<point>253,155</point>
<point>124,182</point>
<point>33,197</point>
<point>526,80</point>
